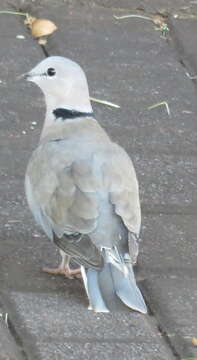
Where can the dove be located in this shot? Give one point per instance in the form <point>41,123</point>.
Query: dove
<point>83,191</point>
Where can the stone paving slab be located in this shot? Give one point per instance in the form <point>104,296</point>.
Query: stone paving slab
<point>176,297</point>
<point>171,280</point>
<point>8,348</point>
<point>146,5</point>
<point>185,42</point>
<point>169,246</point>
<point>98,351</point>
<point>63,324</point>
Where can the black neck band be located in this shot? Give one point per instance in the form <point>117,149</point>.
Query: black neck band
<point>69,114</point>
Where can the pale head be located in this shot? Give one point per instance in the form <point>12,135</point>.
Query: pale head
<point>63,83</point>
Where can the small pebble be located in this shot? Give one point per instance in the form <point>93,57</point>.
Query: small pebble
<point>36,235</point>
<point>24,132</point>
<point>20,37</point>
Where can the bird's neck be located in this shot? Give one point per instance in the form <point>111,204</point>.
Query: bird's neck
<point>64,114</point>
<point>58,112</point>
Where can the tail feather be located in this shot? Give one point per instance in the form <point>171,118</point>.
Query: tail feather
<point>106,285</point>
<point>115,282</point>
<point>96,299</point>
<point>127,290</point>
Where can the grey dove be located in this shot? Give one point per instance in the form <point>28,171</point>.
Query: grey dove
<point>82,190</point>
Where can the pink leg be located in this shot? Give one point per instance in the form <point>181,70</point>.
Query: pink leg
<point>69,273</point>
<point>64,268</point>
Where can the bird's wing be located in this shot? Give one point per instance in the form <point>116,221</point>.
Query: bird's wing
<point>121,180</point>
<point>62,184</point>
<point>61,191</point>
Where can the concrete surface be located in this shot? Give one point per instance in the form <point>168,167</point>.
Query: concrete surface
<point>130,64</point>
<point>8,347</point>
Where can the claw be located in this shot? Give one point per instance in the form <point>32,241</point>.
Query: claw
<point>66,271</point>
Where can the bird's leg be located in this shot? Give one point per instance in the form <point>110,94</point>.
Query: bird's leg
<point>64,268</point>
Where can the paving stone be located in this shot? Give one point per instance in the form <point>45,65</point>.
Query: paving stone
<point>8,347</point>
<point>174,300</point>
<point>101,351</point>
<point>62,326</point>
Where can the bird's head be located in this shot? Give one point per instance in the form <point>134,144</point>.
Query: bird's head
<point>63,83</point>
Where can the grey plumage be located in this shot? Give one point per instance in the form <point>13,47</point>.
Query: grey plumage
<point>83,191</point>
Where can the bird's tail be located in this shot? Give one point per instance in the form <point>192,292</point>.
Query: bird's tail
<point>115,282</point>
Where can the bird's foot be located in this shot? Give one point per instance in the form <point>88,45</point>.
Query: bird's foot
<point>66,271</point>
<point>73,273</point>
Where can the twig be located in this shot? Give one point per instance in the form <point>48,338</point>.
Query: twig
<point>14,221</point>
<point>4,317</point>
<point>104,102</point>
<point>161,104</point>
<point>13,12</point>
<point>191,77</point>
<point>132,16</point>
<point>158,20</point>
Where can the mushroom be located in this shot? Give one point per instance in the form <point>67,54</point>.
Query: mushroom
<point>40,28</point>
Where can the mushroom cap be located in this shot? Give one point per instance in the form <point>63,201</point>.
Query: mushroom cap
<point>42,27</point>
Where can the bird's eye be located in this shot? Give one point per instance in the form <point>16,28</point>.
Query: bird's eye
<point>51,72</point>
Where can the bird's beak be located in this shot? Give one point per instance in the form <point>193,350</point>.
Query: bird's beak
<point>25,76</point>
